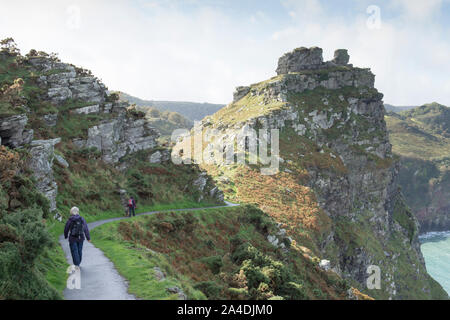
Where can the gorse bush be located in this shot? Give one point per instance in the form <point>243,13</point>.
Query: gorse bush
<point>214,263</point>
<point>266,277</point>
<point>23,234</point>
<point>17,186</point>
<point>256,217</point>
<point>211,289</point>
<point>23,238</point>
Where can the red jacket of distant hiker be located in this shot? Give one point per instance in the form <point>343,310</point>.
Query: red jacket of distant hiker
<point>131,203</point>
<point>85,229</point>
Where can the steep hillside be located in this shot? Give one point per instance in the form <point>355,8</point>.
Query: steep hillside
<point>66,142</point>
<point>336,188</point>
<point>191,110</point>
<point>421,137</point>
<point>237,253</point>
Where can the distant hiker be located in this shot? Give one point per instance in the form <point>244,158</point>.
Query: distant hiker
<point>76,229</point>
<point>131,207</point>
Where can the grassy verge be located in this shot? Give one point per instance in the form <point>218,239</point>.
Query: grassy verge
<point>53,262</point>
<point>136,262</point>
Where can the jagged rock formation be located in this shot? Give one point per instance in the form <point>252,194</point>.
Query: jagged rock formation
<point>65,84</point>
<point>302,59</point>
<point>41,163</point>
<point>122,135</point>
<point>333,143</point>
<point>13,133</point>
<point>119,137</point>
<point>159,156</point>
<point>65,81</point>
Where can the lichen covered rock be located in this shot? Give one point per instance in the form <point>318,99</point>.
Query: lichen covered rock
<point>41,163</point>
<point>13,133</point>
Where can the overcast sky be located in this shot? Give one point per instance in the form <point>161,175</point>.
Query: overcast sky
<point>200,50</point>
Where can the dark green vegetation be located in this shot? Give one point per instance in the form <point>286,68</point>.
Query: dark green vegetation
<point>31,261</point>
<point>214,254</point>
<point>421,137</point>
<point>26,247</point>
<point>191,110</point>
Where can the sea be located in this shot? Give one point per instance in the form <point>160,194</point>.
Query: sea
<point>436,251</point>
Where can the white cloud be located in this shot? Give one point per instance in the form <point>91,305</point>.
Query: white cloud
<point>419,9</point>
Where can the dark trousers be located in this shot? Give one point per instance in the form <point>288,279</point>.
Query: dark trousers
<point>76,248</point>
<point>131,211</point>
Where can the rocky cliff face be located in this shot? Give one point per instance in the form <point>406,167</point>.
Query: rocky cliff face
<point>12,131</point>
<point>41,163</point>
<point>336,189</point>
<point>64,81</point>
<point>120,137</point>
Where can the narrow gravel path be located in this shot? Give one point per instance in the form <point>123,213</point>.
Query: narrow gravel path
<point>99,278</point>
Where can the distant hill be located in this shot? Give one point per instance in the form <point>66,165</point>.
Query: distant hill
<point>422,132</point>
<point>165,121</point>
<point>421,136</point>
<point>191,110</point>
<point>433,117</point>
<point>391,108</point>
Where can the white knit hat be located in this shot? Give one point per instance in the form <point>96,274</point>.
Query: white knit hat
<point>74,211</point>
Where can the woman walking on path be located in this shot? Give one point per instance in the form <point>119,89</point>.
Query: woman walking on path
<point>76,229</point>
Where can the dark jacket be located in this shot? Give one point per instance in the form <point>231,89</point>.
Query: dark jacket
<point>85,229</point>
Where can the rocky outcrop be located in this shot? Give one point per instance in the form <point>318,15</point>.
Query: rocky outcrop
<point>341,57</point>
<point>88,110</point>
<point>206,187</point>
<point>50,120</point>
<point>159,156</point>
<point>240,93</point>
<point>64,81</point>
<point>302,59</point>
<point>13,133</point>
<point>159,274</point>
<point>120,137</point>
<point>61,161</point>
<point>41,163</point>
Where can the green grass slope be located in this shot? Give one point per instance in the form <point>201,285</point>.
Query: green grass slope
<point>214,254</point>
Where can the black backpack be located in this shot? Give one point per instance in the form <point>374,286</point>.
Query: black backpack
<point>76,229</point>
